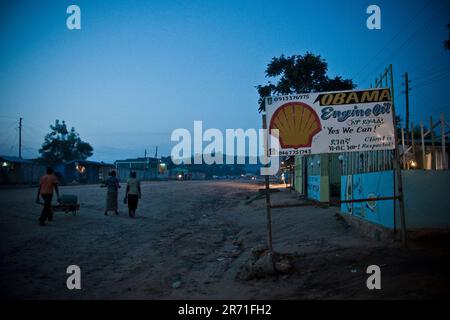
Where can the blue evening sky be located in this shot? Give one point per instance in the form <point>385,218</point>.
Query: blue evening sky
<point>139,69</point>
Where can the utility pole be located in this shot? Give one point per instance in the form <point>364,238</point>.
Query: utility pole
<point>397,167</point>
<point>20,138</point>
<point>389,73</point>
<point>398,182</point>
<point>407,106</point>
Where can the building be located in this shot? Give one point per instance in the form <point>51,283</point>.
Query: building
<point>348,179</point>
<point>178,173</point>
<point>83,171</point>
<point>146,168</point>
<point>319,177</point>
<point>196,175</point>
<point>15,171</point>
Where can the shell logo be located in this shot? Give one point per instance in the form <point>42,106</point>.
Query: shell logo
<point>297,123</point>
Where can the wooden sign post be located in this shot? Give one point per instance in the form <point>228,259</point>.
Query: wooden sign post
<point>268,202</point>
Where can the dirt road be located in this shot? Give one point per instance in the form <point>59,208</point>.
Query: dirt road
<point>189,241</point>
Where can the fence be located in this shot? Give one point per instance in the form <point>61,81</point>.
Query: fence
<point>418,150</point>
<point>429,152</point>
<point>367,161</point>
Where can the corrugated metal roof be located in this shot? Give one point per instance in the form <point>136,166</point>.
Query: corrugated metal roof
<point>15,159</point>
<point>90,162</point>
<point>139,160</point>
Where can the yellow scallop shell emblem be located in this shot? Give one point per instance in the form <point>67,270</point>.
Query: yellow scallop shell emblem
<point>297,123</point>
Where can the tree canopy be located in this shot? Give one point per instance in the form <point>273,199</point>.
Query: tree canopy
<point>300,74</point>
<point>62,145</point>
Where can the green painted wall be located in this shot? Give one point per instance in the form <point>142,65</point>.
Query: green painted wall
<point>324,178</point>
<point>298,175</point>
<point>317,165</point>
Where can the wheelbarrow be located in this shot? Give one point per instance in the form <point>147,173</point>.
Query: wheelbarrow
<point>68,203</point>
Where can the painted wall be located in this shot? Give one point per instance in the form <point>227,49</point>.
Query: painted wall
<point>334,174</point>
<point>148,174</point>
<point>318,188</point>
<point>314,187</point>
<point>298,179</point>
<point>369,185</point>
<point>427,199</point>
<point>318,183</point>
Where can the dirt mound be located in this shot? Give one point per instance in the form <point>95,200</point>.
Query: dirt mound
<point>263,264</point>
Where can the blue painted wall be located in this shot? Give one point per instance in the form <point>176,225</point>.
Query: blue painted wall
<point>314,187</point>
<point>369,185</point>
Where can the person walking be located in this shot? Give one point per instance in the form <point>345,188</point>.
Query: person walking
<point>47,183</point>
<point>132,194</point>
<point>112,185</point>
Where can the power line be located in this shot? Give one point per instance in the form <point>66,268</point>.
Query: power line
<point>433,79</point>
<point>415,114</point>
<point>391,40</point>
<point>431,69</point>
<point>434,73</point>
<point>409,40</point>
<point>10,136</point>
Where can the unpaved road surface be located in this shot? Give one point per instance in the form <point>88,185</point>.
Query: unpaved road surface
<point>189,241</point>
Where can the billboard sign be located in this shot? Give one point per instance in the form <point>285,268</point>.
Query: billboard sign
<point>332,122</point>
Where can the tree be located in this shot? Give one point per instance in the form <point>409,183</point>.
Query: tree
<point>61,145</point>
<point>300,74</point>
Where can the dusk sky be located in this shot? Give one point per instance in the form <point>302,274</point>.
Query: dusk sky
<point>139,69</point>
